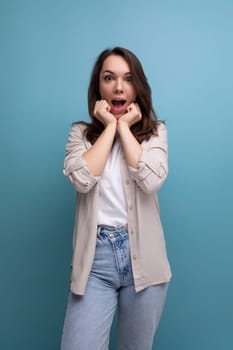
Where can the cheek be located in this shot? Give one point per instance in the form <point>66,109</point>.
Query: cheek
<point>133,94</point>
<point>103,92</point>
<point>101,88</point>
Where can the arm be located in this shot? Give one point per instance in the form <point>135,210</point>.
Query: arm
<point>153,163</point>
<point>147,165</point>
<point>131,148</point>
<point>75,166</point>
<point>83,166</point>
<point>96,157</point>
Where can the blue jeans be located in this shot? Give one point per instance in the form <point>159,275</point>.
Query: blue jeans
<point>89,318</point>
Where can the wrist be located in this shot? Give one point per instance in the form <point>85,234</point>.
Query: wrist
<point>122,125</point>
<point>111,125</point>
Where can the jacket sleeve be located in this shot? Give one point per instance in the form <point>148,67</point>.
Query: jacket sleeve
<point>75,166</point>
<point>153,163</point>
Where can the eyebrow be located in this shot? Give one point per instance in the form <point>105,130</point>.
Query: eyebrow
<point>111,72</point>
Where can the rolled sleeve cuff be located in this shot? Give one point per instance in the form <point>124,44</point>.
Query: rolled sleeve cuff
<point>72,165</point>
<point>144,170</point>
<point>80,176</point>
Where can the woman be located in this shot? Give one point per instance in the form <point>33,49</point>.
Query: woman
<point>117,164</point>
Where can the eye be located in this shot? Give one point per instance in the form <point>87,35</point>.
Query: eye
<point>108,77</point>
<point>128,78</point>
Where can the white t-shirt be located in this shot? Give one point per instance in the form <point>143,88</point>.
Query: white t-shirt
<point>112,208</point>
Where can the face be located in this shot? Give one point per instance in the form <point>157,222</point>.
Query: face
<point>115,85</point>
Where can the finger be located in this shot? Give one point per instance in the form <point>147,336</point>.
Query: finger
<point>138,110</point>
<point>106,105</point>
<point>96,107</point>
<point>130,107</point>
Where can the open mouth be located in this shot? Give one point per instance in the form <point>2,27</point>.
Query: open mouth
<point>118,103</point>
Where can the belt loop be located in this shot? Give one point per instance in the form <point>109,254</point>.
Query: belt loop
<point>98,230</point>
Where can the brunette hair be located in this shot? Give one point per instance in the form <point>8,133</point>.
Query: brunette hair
<point>147,126</point>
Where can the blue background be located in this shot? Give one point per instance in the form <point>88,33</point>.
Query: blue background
<point>47,51</point>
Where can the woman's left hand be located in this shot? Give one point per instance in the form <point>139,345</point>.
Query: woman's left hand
<point>132,116</point>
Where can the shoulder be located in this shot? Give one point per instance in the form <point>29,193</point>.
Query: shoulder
<point>160,132</point>
<point>159,140</point>
<point>78,128</point>
<point>161,136</point>
<point>161,127</point>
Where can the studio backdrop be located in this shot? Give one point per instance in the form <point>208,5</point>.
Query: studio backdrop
<point>48,48</point>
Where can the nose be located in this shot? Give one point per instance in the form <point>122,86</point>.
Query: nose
<point>119,86</point>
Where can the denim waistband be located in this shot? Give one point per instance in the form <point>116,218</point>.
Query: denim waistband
<point>108,228</point>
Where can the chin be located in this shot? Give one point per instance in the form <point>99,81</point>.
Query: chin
<point>118,116</point>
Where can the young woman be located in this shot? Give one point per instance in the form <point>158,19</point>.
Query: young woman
<point>117,164</point>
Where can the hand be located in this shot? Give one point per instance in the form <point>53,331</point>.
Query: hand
<point>102,112</point>
<point>132,116</point>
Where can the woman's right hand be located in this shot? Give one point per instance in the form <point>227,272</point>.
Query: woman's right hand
<point>102,113</point>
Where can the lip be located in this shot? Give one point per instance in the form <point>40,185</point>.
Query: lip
<point>118,109</point>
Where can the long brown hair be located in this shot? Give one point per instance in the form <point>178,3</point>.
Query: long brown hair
<point>147,126</point>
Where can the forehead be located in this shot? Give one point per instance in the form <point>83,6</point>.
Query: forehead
<point>115,64</point>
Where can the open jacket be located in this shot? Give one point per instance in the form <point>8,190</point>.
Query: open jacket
<point>147,245</point>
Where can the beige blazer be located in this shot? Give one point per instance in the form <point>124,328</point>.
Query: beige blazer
<point>147,245</point>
